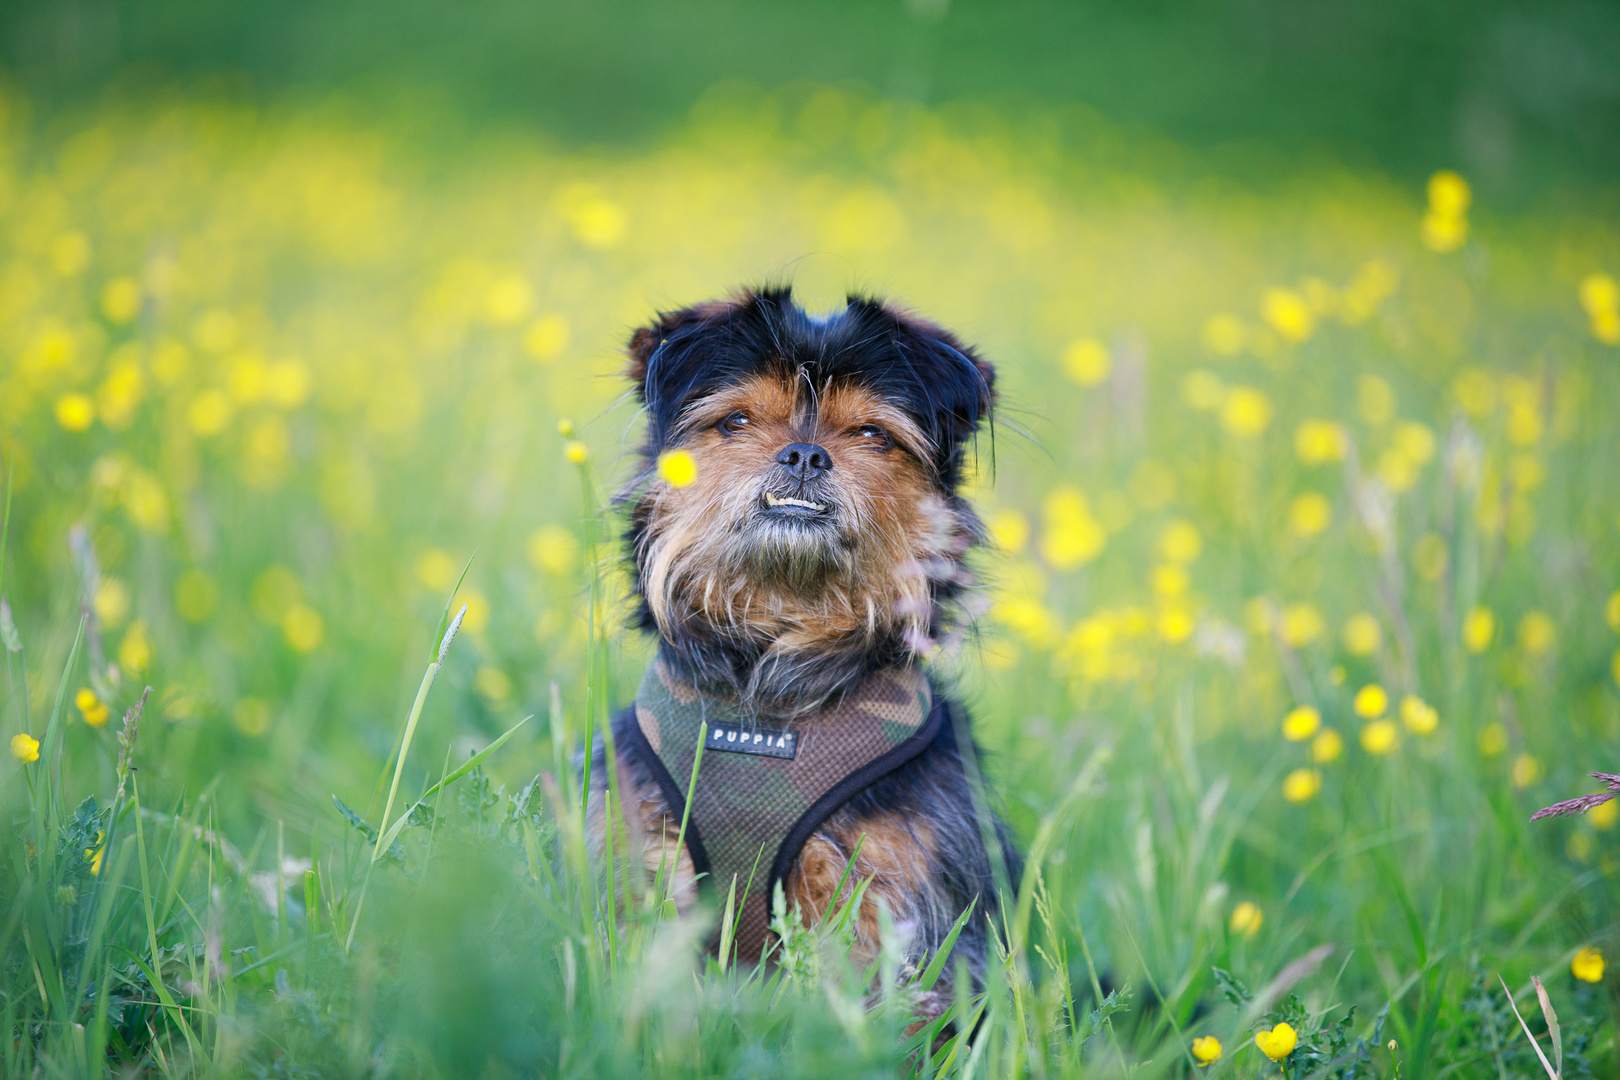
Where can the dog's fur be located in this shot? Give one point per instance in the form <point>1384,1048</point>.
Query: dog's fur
<point>788,608</point>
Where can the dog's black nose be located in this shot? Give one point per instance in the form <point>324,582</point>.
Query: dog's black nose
<point>805,461</point>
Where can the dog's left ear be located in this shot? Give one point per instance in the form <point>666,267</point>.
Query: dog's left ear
<point>954,389</point>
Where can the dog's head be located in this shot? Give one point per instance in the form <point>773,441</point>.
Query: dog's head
<point>823,533</point>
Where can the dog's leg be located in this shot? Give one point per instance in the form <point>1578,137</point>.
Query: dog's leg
<point>652,837</point>
<point>895,854</point>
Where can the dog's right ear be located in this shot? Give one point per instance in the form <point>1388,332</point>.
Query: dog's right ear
<point>643,343</point>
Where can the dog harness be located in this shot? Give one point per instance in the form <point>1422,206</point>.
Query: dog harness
<point>763,790</point>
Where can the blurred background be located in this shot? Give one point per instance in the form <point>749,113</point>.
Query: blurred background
<point>1306,322</point>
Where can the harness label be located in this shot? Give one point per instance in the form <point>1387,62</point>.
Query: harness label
<point>741,740</point>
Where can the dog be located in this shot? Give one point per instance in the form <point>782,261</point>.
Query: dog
<point>796,585</point>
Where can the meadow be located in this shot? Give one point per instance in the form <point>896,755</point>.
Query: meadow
<point>1304,595</point>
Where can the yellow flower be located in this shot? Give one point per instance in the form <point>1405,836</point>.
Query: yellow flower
<point>1207,1049</point>
<point>120,392</point>
<point>146,501</point>
<point>1479,627</point>
<point>598,223</point>
<point>1606,327</point>
<point>1327,746</point>
<point>1087,361</point>
<point>508,300</point>
<point>1419,716</point>
<point>1223,335</point>
<point>1180,543</point>
<point>1203,390</point>
<point>286,383</point>
<point>135,651</point>
<point>209,413</point>
<point>111,602</point>
<point>1362,634</point>
<point>25,748</point>
<point>252,716</point>
<point>1375,280</point>
<point>1301,723</point>
<point>576,452</point>
<point>92,708</point>
<point>477,609</point>
<point>121,300</point>
<point>1301,785</point>
<point>1009,531</point>
<point>1246,918</point>
<point>1415,441</point>
<point>1397,471</point>
<point>1536,633</point>
<point>303,628</point>
<point>1444,232</point>
<point>1603,816</point>
<point>1300,625</point>
<point>1317,442</point>
<point>1175,625</point>
<point>436,570</point>
<point>1611,612</point>
<point>1309,514</point>
<point>1169,581</point>
<point>1588,963</point>
<point>678,468</point>
<point>1246,412</point>
<point>1277,1043</point>
<point>1526,771</point>
<point>1375,400</point>
<point>1072,537</point>
<point>1524,426</point>
<point>1599,293</point>
<point>546,338</point>
<point>75,412</point>
<point>553,549</point>
<point>1380,737</point>
<point>1493,739</point>
<point>1288,313</point>
<point>274,592</point>
<point>565,428</point>
<point>1030,619</point>
<point>1476,392</point>
<point>246,378</point>
<point>493,684</point>
<point>70,253</point>
<point>1449,193</point>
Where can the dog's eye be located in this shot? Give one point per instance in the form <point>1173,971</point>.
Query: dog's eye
<point>733,423</point>
<point>874,436</point>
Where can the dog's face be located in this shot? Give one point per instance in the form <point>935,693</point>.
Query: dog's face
<point>823,518</point>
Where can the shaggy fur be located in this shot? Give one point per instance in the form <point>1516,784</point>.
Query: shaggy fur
<point>823,540</point>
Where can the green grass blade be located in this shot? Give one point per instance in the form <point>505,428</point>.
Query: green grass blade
<point>472,763</point>
<point>931,973</point>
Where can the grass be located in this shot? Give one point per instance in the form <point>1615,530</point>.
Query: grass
<point>267,381</point>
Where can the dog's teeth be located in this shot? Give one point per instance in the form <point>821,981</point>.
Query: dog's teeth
<point>783,500</point>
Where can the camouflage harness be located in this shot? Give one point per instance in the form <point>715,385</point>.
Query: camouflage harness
<point>762,790</point>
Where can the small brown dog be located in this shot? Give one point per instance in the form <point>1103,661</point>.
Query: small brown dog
<point>795,584</point>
